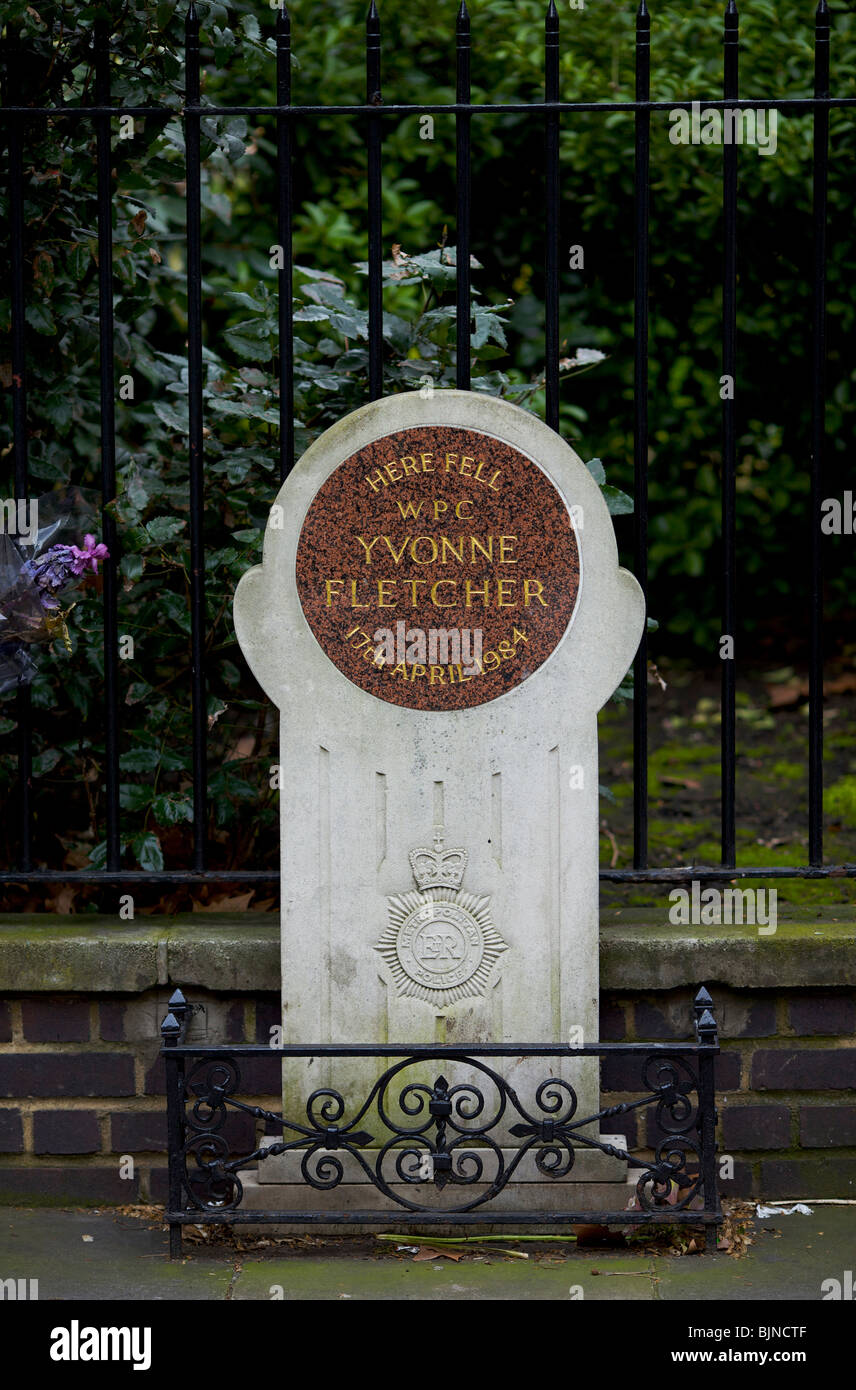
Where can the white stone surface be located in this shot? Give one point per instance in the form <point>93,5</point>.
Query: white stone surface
<point>364,783</point>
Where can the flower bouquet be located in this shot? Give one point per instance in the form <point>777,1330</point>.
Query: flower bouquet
<point>37,572</point>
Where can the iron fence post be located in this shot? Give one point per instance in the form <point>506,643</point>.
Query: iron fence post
<point>708,1037</point>
<point>172,1029</point>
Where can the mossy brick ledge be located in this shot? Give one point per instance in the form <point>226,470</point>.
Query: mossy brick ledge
<point>82,1087</point>
<point>639,950</point>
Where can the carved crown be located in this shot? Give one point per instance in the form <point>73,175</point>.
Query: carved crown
<point>438,867</point>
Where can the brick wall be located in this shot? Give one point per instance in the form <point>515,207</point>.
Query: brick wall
<point>81,1086</point>
<point>785,1081</point>
<point>82,1091</point>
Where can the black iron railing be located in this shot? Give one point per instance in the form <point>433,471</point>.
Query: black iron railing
<point>290,119</point>
<point>408,1135</point>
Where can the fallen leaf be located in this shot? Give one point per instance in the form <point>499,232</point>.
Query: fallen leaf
<point>427,1253</point>
<point>239,903</point>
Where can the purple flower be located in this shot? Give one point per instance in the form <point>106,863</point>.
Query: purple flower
<point>90,555</point>
<point>61,565</point>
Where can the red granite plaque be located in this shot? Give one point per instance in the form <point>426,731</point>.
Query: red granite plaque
<point>438,568</point>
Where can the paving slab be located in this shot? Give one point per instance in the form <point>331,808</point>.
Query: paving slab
<point>791,1258</point>
<point>319,1279</point>
<point>124,1259</point>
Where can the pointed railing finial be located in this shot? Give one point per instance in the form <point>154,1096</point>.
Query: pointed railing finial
<point>705,1017</point>
<point>283,19</point>
<point>822,15</point>
<point>192,20</point>
<point>373,17</point>
<point>731,15</point>
<point>177,1003</point>
<point>463,15</point>
<point>170,1030</point>
<point>551,23</point>
<point>643,18</point>
<point>552,12</point>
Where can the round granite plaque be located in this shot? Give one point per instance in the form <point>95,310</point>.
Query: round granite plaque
<point>438,568</point>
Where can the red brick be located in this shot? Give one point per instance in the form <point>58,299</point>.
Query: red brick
<point>621,1124</point>
<point>159,1186</point>
<point>66,1074</point>
<point>11,1132</point>
<point>824,1015</point>
<point>804,1069</point>
<point>759,1020</point>
<point>612,1024</point>
<point>136,1131</point>
<point>112,1021</point>
<point>234,1023</point>
<point>828,1126</point>
<point>268,1016</point>
<point>743,1182</point>
<point>58,1019</point>
<point>652,1022</point>
<point>808,1177</point>
<point>66,1132</point>
<point>625,1073</point>
<point>755,1127</point>
<point>42,1185</point>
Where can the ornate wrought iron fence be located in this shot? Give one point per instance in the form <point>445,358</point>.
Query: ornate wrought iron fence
<point>291,120</point>
<point>449,1145</point>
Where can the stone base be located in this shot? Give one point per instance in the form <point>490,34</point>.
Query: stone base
<point>596,1183</point>
<point>590,1165</point>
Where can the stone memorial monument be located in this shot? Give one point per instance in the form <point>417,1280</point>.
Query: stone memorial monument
<point>439,616</point>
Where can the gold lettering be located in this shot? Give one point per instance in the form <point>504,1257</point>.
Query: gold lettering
<point>504,600</point>
<point>354,603</point>
<point>433,544</point>
<point>493,480</point>
<point>466,472</point>
<point>471,590</point>
<point>409,509</point>
<point>434,599</point>
<point>381,593</point>
<point>425,468</point>
<point>414,466</point>
<point>397,558</point>
<point>439,671</point>
<point>458,554</point>
<point>439,506</point>
<point>368,548</point>
<point>449,460</point>
<point>378,473</point>
<point>539,588</point>
<point>413,583</point>
<point>487,553</point>
<point>393,473</point>
<point>503,559</point>
<point>464,502</point>
<point>329,583</point>
<point>478,471</point>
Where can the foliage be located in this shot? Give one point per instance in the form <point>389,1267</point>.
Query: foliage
<point>54,64</point>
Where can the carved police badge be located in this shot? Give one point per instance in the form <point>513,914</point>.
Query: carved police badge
<point>440,944</point>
